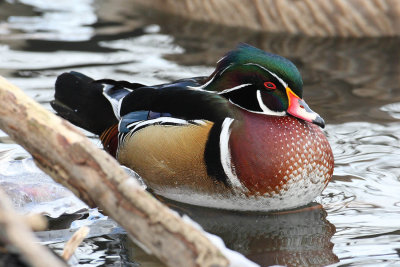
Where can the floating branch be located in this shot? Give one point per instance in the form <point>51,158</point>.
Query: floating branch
<point>74,242</point>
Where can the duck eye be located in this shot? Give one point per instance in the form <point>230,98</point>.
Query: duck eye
<point>270,85</point>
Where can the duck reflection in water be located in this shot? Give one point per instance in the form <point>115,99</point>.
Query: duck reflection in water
<point>300,237</point>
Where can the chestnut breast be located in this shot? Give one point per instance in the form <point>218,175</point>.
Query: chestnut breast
<point>273,154</point>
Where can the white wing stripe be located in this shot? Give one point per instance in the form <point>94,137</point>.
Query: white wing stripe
<point>114,103</point>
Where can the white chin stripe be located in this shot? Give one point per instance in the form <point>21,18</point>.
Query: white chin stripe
<point>265,109</point>
<point>226,160</point>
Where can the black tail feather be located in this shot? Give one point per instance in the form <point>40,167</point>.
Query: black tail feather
<point>80,100</point>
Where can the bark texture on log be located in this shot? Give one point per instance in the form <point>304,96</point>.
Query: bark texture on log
<point>95,177</point>
<point>17,235</point>
<point>356,18</point>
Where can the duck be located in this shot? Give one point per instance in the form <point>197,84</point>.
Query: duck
<point>242,138</point>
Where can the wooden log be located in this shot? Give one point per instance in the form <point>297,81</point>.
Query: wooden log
<point>17,235</point>
<point>64,153</point>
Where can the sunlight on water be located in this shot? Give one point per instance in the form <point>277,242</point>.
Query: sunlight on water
<point>353,83</point>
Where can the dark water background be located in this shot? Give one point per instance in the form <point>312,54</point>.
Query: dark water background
<point>353,83</point>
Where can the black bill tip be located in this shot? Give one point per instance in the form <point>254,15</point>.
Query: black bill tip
<point>319,121</point>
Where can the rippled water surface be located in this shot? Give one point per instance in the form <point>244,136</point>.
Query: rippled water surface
<point>353,83</point>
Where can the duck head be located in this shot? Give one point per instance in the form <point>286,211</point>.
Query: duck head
<point>261,82</point>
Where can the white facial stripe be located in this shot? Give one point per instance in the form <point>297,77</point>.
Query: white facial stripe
<point>270,72</point>
<point>265,109</point>
<point>222,58</point>
<point>210,81</point>
<point>202,86</point>
<point>226,160</point>
<point>234,88</point>
<point>230,65</point>
<point>252,111</point>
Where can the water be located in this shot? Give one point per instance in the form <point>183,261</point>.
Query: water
<point>353,83</point>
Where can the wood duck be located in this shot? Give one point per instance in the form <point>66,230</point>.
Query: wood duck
<point>242,138</point>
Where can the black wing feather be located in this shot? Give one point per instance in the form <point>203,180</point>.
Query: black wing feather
<point>180,102</point>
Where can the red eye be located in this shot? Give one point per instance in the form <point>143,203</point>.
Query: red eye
<point>270,85</point>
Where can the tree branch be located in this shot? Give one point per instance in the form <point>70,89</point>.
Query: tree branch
<point>71,159</point>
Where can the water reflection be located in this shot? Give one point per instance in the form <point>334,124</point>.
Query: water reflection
<point>300,237</point>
